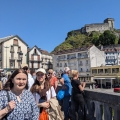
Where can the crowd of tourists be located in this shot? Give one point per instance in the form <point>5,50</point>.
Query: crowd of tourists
<point>34,97</point>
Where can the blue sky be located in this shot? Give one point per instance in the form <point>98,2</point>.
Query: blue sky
<point>45,23</point>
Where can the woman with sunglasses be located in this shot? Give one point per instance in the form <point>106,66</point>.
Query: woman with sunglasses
<point>16,102</point>
<point>53,80</point>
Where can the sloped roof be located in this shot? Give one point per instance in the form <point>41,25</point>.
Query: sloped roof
<point>40,50</point>
<point>73,50</point>
<point>110,48</point>
<point>4,39</point>
<point>45,52</point>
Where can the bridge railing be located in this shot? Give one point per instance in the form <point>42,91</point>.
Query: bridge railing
<point>102,105</point>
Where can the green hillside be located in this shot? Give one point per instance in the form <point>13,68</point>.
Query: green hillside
<point>75,39</point>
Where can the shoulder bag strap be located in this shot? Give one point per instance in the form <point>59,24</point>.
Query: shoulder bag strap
<point>8,96</point>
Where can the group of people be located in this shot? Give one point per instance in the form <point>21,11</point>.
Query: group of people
<point>24,97</point>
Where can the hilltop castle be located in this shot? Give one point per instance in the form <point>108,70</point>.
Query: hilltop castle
<point>108,24</point>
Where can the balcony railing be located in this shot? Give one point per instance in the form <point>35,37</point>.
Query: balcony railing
<point>81,64</point>
<point>106,74</point>
<point>61,59</point>
<point>12,59</point>
<point>71,58</point>
<point>83,56</point>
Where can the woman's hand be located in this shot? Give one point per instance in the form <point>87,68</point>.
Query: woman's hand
<point>46,104</point>
<point>11,105</point>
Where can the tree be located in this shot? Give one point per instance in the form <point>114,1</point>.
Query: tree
<point>119,41</point>
<point>107,38</point>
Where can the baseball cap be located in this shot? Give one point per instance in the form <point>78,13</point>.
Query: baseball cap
<point>24,65</point>
<point>66,69</point>
<point>41,70</point>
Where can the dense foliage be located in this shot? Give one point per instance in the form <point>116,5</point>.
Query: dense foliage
<point>75,39</point>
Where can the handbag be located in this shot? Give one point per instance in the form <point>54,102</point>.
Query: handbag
<point>43,115</point>
<point>5,117</point>
<point>60,94</point>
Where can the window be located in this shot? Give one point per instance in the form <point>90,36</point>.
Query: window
<point>81,69</point>
<point>60,64</point>
<point>35,51</point>
<point>57,64</point>
<point>12,55</point>
<point>19,49</point>
<point>15,42</point>
<point>12,49</point>
<point>79,54</point>
<point>65,65</point>
<point>86,61</point>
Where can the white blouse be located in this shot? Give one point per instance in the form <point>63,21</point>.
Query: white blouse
<point>49,94</point>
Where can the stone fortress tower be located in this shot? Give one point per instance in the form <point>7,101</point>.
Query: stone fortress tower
<point>100,27</point>
<point>110,21</point>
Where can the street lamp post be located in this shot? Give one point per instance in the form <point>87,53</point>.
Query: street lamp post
<point>21,55</point>
<point>6,57</point>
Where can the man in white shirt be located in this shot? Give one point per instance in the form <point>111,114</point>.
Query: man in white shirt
<point>30,78</point>
<point>3,80</point>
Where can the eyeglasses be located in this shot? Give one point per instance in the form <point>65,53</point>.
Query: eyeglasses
<point>50,73</point>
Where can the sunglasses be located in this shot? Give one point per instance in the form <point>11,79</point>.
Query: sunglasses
<point>50,73</point>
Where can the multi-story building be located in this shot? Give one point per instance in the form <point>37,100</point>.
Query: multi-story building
<point>112,54</point>
<point>81,59</point>
<point>37,58</point>
<point>12,52</point>
<point>106,76</point>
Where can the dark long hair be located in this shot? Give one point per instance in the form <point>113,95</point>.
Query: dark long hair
<point>9,84</point>
<point>36,87</point>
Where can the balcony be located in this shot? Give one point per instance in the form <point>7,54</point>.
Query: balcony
<point>12,59</point>
<point>106,74</point>
<point>61,59</point>
<point>81,64</point>
<point>34,60</point>
<point>83,56</point>
<point>72,64</point>
<point>18,59</point>
<point>71,58</point>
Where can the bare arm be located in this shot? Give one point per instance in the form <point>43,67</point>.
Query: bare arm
<point>3,112</point>
<point>56,84</point>
<point>82,86</point>
<point>62,81</point>
<point>44,104</point>
<point>7,109</point>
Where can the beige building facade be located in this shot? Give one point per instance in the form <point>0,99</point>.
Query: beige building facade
<point>106,76</point>
<point>10,49</point>
<point>38,58</point>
